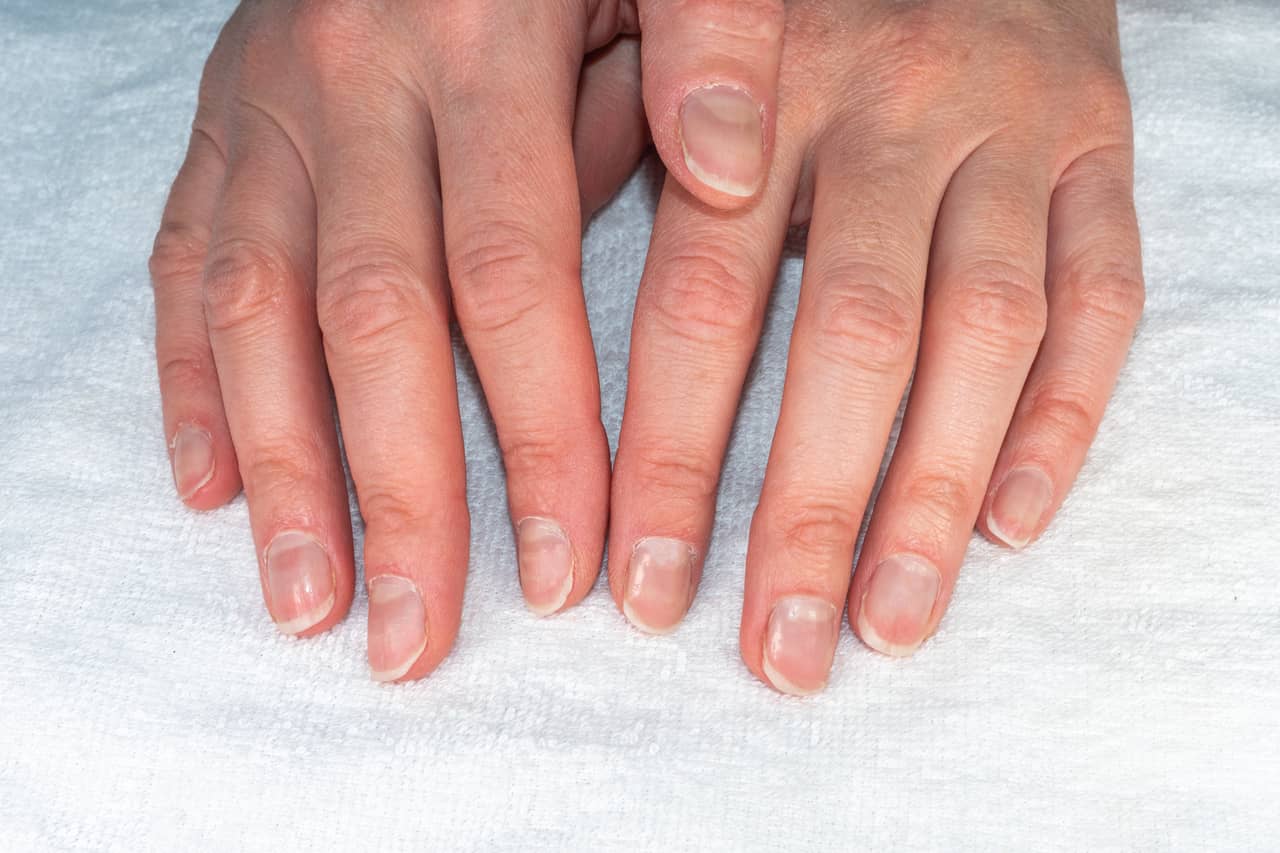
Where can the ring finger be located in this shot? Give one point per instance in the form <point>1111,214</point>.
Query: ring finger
<point>259,305</point>
<point>983,321</point>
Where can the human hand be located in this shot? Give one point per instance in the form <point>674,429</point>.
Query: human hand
<point>355,168</point>
<point>966,172</point>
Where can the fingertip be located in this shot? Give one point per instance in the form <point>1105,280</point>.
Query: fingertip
<point>709,81</point>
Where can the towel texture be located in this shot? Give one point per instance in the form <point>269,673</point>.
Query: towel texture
<point>1116,687</point>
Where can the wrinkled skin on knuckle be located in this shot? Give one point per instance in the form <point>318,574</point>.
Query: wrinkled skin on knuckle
<point>997,304</point>
<point>398,508</point>
<point>941,497</point>
<point>243,283</point>
<point>865,326</point>
<point>178,253</point>
<point>185,372</point>
<point>1064,412</point>
<point>811,527</point>
<point>546,451</point>
<point>1109,296</point>
<point>498,275</point>
<point>758,21</point>
<point>704,299</point>
<point>362,307</point>
<point>668,468</point>
<point>287,465</point>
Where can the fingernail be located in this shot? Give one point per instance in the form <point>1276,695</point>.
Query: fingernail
<point>546,564</point>
<point>800,643</point>
<point>1019,505</point>
<point>658,584</point>
<point>299,581</point>
<point>894,615</point>
<point>192,460</point>
<point>397,627</point>
<point>723,140</point>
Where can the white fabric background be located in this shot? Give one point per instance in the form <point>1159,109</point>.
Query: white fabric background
<point>1117,687</point>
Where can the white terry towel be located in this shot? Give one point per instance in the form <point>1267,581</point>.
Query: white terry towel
<point>1116,687</point>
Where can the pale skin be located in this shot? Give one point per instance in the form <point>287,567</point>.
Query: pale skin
<point>361,172</point>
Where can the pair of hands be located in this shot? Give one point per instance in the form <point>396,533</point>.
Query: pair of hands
<point>361,170</point>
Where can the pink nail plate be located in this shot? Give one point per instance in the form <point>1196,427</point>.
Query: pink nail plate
<point>397,627</point>
<point>894,614</point>
<point>722,137</point>
<point>800,643</point>
<point>192,460</point>
<point>545,558</point>
<point>659,584</point>
<point>300,581</point>
<point>1019,506</point>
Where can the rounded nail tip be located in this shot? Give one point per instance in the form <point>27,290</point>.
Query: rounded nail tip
<point>310,619</point>
<point>719,183</point>
<point>554,606</point>
<point>873,640</point>
<point>192,492</point>
<point>785,685</point>
<point>388,676</point>
<point>646,628</point>
<point>1003,537</point>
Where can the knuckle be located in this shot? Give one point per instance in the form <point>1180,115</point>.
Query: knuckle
<point>1107,94</point>
<point>1110,295</point>
<point>243,282</point>
<point>1103,112</point>
<point>674,470</point>
<point>809,528</point>
<point>184,371</point>
<point>366,303</point>
<point>998,302</point>
<point>497,276</point>
<point>943,496</point>
<point>864,325</point>
<point>704,300</point>
<point>1067,412</point>
<point>178,253</point>
<point>392,508</point>
<point>753,20</point>
<point>289,468</point>
<point>537,454</point>
<point>920,51</point>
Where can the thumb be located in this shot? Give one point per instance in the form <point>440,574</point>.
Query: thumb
<point>710,72</point>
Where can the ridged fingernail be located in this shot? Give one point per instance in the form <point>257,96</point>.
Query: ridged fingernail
<point>397,627</point>
<point>658,584</point>
<point>1019,505</point>
<point>800,643</point>
<point>893,617</point>
<point>721,132</point>
<point>545,558</point>
<point>192,460</point>
<point>299,581</point>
